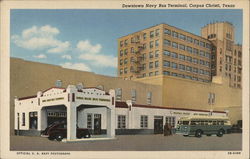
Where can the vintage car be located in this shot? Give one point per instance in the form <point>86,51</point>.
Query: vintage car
<point>58,131</point>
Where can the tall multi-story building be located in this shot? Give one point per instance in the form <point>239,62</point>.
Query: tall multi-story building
<point>167,50</point>
<point>228,54</point>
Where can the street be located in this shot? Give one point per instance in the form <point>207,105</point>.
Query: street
<point>132,143</point>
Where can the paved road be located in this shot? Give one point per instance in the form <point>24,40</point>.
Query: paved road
<point>132,143</point>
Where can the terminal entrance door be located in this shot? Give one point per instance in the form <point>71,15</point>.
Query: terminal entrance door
<point>97,124</point>
<point>158,124</point>
<point>33,120</point>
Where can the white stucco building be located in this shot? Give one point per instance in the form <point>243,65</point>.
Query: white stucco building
<point>96,110</point>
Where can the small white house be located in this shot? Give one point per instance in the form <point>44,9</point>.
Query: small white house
<point>96,110</point>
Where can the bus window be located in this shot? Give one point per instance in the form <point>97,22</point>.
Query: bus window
<point>205,122</point>
<point>193,123</point>
<point>185,122</point>
<point>214,122</point>
<point>210,122</point>
<point>220,122</point>
<point>202,122</point>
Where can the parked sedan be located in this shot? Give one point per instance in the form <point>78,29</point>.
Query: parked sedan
<point>58,131</point>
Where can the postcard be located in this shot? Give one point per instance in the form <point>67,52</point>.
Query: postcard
<point>124,79</point>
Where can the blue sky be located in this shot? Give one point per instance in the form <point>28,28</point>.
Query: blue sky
<point>87,39</point>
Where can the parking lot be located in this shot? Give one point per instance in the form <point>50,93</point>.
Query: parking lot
<point>131,143</point>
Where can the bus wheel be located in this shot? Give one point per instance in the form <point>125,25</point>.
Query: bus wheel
<point>198,133</point>
<point>220,133</point>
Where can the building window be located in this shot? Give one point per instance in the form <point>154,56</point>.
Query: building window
<point>156,73</point>
<point>125,61</point>
<point>121,53</point>
<point>144,36</point>
<point>207,63</point>
<point>132,50</point>
<point>144,46</point>
<point>175,45</point>
<point>167,31</point>
<point>149,98</point>
<point>182,47</point>
<point>156,43</point>
<point>23,119</point>
<point>125,70</point>
<point>188,77</point>
<point>195,51</point>
<point>121,62</point>
<point>166,73</point>
<point>207,55</point>
<point>208,46</point>
<point>144,121</point>
<point>170,120</point>
<point>167,42</point>
<point>182,67</point>
<point>126,42</point>
<point>143,66</point>
<point>151,34</point>
<point>174,74</point>
<point>189,49</point>
<point>174,55</point>
<point>189,69</point>
<point>202,53</point>
<point>202,44</point>
<point>150,74</point>
<point>121,122</point>
<point>189,58</point>
<point>157,32</point>
<point>182,37</point>
<point>181,75</point>
<point>195,70</point>
<point>166,52</point>
<point>174,34</point>
<point>89,121</point>
<point>132,69</point>
<point>189,39</point>
<point>151,65</point>
<point>174,65</point>
<point>201,71</point>
<point>121,43</point>
<point>181,57</point>
<point>196,41</point>
<point>157,53</point>
<point>151,44</point>
<point>118,93</point>
<point>156,64</point>
<point>202,62</point>
<point>144,56</point>
<point>151,55</point>
<point>121,71</point>
<point>166,63</point>
<point>132,40</point>
<point>125,51</point>
<point>211,98</point>
<point>133,95</point>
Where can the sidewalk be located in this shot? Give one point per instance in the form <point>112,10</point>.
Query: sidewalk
<point>93,138</point>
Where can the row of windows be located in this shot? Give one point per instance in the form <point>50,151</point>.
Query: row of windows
<point>187,58</point>
<point>168,73</point>
<point>121,121</point>
<point>187,48</point>
<point>153,34</point>
<point>185,68</point>
<point>118,93</point>
<point>186,38</point>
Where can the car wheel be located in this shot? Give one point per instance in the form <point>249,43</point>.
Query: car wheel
<point>51,137</point>
<point>220,133</point>
<point>59,137</point>
<point>86,136</point>
<point>198,133</point>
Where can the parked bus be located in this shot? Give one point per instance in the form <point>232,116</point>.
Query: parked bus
<point>203,125</point>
